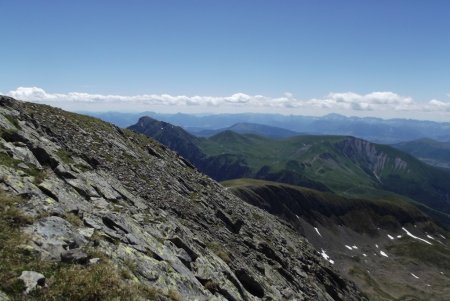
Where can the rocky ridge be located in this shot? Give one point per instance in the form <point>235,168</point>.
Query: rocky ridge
<point>137,202</point>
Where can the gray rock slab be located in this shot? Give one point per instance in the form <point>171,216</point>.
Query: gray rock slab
<point>32,280</point>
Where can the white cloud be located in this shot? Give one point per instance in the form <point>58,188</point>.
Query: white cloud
<point>437,105</point>
<point>343,102</point>
<point>368,102</point>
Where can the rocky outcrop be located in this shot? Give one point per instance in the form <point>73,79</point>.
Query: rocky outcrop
<point>367,155</point>
<point>89,185</point>
<point>172,136</point>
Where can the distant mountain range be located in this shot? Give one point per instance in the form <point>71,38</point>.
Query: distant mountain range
<point>371,129</point>
<point>341,164</point>
<point>248,128</point>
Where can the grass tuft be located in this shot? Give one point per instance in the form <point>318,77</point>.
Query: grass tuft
<point>64,156</point>
<point>13,121</point>
<point>220,252</point>
<point>73,219</point>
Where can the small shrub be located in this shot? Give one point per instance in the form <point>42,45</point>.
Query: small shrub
<point>64,156</point>
<point>13,121</point>
<point>257,216</point>
<point>73,219</point>
<point>220,252</point>
<point>39,175</point>
<point>211,286</point>
<point>174,295</point>
<point>7,160</point>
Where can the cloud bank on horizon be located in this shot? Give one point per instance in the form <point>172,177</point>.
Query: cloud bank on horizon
<point>371,104</point>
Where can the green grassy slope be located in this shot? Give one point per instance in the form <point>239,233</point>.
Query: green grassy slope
<point>346,165</point>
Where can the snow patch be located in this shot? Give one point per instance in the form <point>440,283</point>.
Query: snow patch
<point>326,257</point>
<point>442,236</point>
<point>415,237</point>
<point>430,237</point>
<point>383,254</point>
<point>399,236</point>
<point>348,247</point>
<point>355,247</point>
<point>414,276</point>
<point>376,246</point>
<point>317,230</point>
<point>390,236</point>
<point>364,255</point>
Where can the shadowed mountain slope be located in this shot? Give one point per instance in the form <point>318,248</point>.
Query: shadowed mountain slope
<point>389,248</point>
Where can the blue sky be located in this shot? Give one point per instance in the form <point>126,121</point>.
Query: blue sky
<point>284,51</point>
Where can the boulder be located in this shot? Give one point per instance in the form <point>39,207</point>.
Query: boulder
<point>54,235</point>
<point>32,280</point>
<point>74,256</point>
